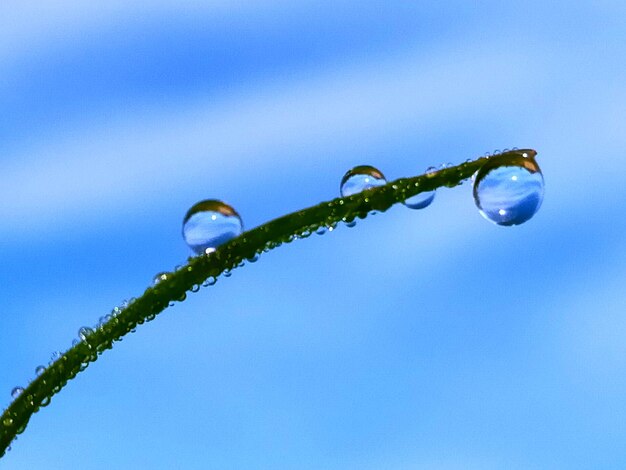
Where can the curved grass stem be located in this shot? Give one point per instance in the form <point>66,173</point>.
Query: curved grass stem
<point>228,256</point>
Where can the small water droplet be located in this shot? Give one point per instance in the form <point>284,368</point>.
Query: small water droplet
<point>84,332</point>
<point>211,280</point>
<point>209,224</point>
<point>39,370</point>
<point>422,200</point>
<point>227,273</point>
<point>254,258</point>
<point>16,392</point>
<point>509,190</point>
<point>361,178</point>
<point>160,277</point>
<point>350,223</point>
<point>54,357</point>
<point>321,230</point>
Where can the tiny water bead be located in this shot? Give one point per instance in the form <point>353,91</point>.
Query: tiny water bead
<point>361,178</point>
<point>422,200</point>
<point>16,392</point>
<point>209,224</point>
<point>84,332</point>
<point>160,277</point>
<point>508,189</point>
<point>39,370</point>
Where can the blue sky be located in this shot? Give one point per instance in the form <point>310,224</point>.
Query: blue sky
<point>419,339</point>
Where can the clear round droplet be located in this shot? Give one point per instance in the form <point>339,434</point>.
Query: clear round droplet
<point>39,370</point>
<point>361,178</point>
<point>422,200</point>
<point>209,224</point>
<point>16,392</point>
<point>508,190</point>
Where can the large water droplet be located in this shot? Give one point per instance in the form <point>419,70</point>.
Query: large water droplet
<point>209,224</point>
<point>16,392</point>
<point>422,200</point>
<point>508,190</point>
<point>361,178</point>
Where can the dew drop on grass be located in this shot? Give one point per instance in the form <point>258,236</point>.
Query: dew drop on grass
<point>422,200</point>
<point>39,370</point>
<point>16,392</point>
<point>209,224</point>
<point>84,332</point>
<point>508,190</point>
<point>160,277</point>
<point>361,178</point>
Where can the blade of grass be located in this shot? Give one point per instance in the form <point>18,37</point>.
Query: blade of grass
<point>228,256</point>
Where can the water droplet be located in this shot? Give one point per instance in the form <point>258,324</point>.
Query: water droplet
<point>227,273</point>
<point>350,223</point>
<point>209,224</point>
<point>361,178</point>
<point>211,280</point>
<point>16,392</point>
<point>509,190</point>
<point>39,370</point>
<point>7,421</point>
<point>321,230</point>
<point>160,277</point>
<point>253,259</point>
<point>422,200</point>
<point>84,332</point>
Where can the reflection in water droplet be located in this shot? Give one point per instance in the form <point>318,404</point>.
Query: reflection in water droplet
<point>422,200</point>
<point>361,178</point>
<point>209,224</point>
<point>16,392</point>
<point>40,370</point>
<point>508,190</point>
